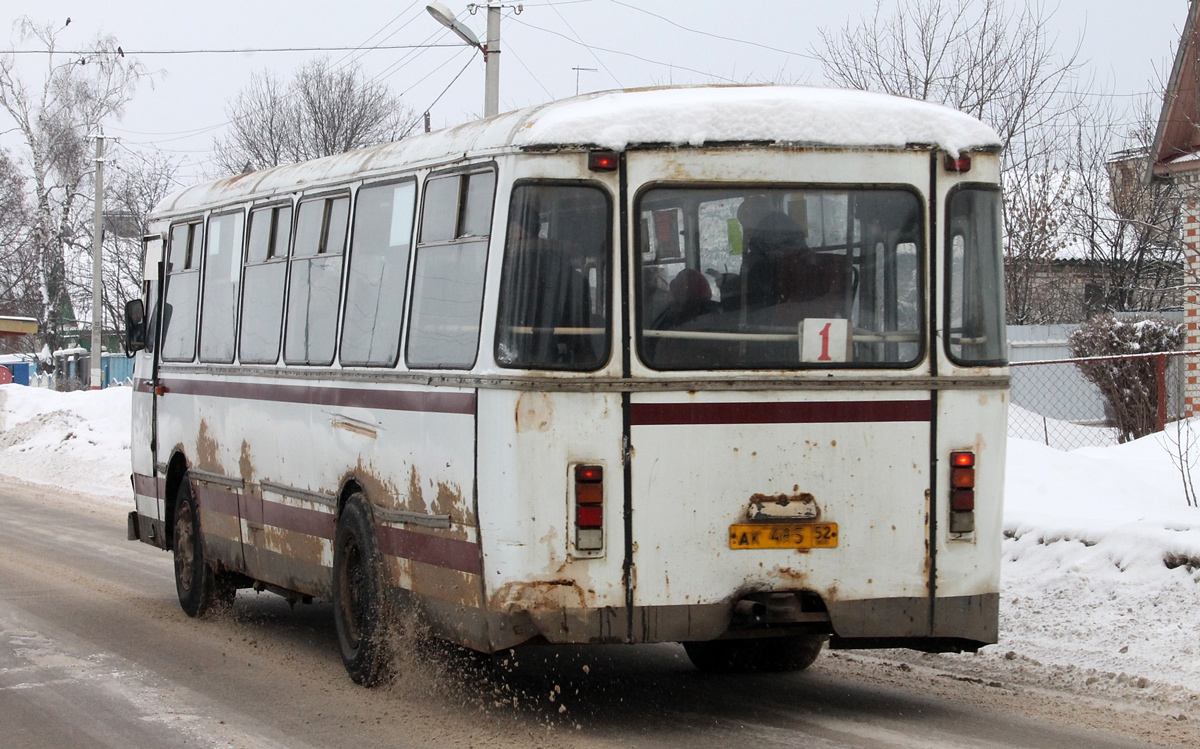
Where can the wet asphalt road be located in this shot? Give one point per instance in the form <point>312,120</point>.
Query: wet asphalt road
<point>95,652</point>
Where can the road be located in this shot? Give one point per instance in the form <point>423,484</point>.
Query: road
<point>95,652</point>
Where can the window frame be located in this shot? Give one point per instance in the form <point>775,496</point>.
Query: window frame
<point>283,259</point>
<point>462,172</point>
<point>327,196</point>
<point>412,255</point>
<point>191,222</point>
<point>237,312</point>
<point>609,240</point>
<point>922,269</point>
<point>948,280</point>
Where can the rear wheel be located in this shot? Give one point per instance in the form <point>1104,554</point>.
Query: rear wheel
<point>761,654</point>
<point>199,588</point>
<point>791,653</point>
<point>725,656</point>
<point>359,612</point>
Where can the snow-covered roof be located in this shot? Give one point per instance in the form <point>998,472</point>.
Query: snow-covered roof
<point>682,116</point>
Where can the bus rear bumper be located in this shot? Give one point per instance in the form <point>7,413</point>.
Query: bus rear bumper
<point>959,623</point>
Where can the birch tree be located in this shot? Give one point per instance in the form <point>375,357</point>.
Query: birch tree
<point>54,112</point>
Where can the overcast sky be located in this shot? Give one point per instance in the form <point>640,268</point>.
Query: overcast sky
<point>1127,46</point>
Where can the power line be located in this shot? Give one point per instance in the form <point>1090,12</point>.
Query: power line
<point>625,54</point>
<point>447,88</point>
<point>527,70</point>
<point>714,36</point>
<point>124,53</point>
<point>589,49</point>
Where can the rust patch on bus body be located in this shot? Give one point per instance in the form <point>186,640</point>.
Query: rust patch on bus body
<point>798,506</point>
<point>294,545</point>
<point>562,593</point>
<point>415,501</point>
<point>207,451</point>
<point>246,464</point>
<point>450,501</point>
<point>442,584</point>
<point>379,491</point>
<point>534,413</point>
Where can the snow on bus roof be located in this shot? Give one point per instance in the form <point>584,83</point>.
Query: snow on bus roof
<point>692,116</point>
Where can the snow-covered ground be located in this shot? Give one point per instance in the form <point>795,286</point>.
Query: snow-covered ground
<point>1101,568</point>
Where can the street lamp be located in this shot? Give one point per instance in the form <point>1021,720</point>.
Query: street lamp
<point>491,50</point>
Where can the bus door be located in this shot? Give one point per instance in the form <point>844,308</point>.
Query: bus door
<point>147,484</point>
<point>788,463</point>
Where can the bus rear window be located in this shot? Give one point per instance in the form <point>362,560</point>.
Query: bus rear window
<point>975,298</point>
<point>779,278</point>
<point>554,288</point>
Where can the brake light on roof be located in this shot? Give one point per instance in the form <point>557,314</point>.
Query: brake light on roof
<point>962,492</point>
<point>602,161</point>
<point>589,508</point>
<point>960,164</point>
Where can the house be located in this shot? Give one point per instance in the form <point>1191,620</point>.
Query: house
<point>1175,157</point>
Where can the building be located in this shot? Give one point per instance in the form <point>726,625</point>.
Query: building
<point>1175,156</point>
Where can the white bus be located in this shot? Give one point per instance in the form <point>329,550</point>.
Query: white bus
<point>721,366</point>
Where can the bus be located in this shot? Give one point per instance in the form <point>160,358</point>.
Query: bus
<point>719,366</point>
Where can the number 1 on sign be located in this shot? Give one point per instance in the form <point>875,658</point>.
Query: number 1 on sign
<point>824,339</point>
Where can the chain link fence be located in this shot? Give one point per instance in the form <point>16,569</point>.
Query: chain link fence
<point>1053,403</point>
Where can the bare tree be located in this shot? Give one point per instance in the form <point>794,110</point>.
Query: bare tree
<point>1131,232</point>
<point>54,116</point>
<point>322,111</point>
<point>1036,210</point>
<point>977,57</point>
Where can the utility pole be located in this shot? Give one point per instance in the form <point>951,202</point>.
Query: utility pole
<point>97,375</point>
<point>491,60</point>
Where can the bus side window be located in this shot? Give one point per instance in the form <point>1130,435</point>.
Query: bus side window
<point>554,287</point>
<point>315,280</point>
<point>183,291</point>
<point>448,274</point>
<point>262,285</point>
<point>378,273</point>
<point>222,273</point>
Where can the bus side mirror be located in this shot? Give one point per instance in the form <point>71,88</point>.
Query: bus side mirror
<point>135,326</point>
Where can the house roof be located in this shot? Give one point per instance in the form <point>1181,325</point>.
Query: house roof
<point>681,116</point>
<point>1177,139</point>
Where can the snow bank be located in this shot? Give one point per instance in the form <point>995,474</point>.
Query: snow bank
<point>77,441</point>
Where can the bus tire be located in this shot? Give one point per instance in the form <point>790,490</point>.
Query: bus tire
<point>791,653</point>
<point>359,612</point>
<point>726,656</point>
<point>194,579</point>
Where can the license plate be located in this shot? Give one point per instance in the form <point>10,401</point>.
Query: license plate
<point>784,536</point>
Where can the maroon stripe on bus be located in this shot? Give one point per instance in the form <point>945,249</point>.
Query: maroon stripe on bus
<point>215,498</point>
<point>429,549</point>
<point>824,412</point>
<point>298,519</point>
<point>252,509</point>
<point>148,486</point>
<point>388,400</point>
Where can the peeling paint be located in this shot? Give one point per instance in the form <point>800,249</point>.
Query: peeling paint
<point>207,451</point>
<point>534,413</point>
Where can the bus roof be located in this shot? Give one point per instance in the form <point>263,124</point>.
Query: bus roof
<point>678,116</point>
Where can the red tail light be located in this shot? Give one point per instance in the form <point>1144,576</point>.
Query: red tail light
<point>962,491</point>
<point>589,508</point>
